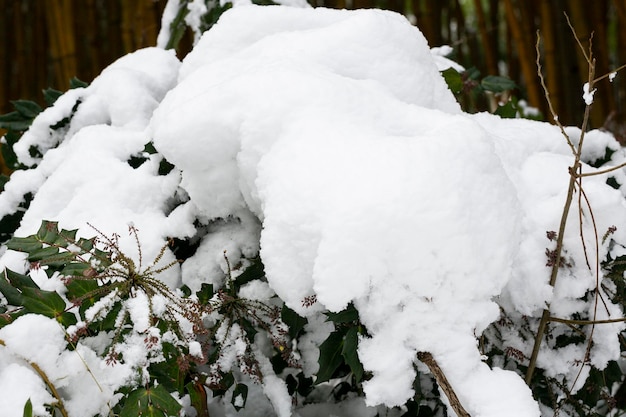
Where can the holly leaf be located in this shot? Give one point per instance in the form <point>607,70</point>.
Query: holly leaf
<point>150,402</point>
<point>453,80</point>
<point>27,108</point>
<point>330,356</point>
<point>348,315</point>
<point>24,244</point>
<point>293,320</point>
<point>497,84</point>
<point>12,295</point>
<point>350,355</point>
<point>19,281</point>
<point>240,396</point>
<point>47,303</point>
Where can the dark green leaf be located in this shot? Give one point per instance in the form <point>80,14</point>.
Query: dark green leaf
<point>51,95</point>
<point>8,318</point>
<point>349,353</point>
<point>507,111</point>
<point>224,384</point>
<point>350,314</point>
<point>149,148</point>
<point>453,79</point>
<point>67,319</point>
<point>3,180</point>
<point>205,293</point>
<point>24,244</point>
<point>152,402</point>
<point>168,373</point>
<point>49,233</point>
<point>497,84</point>
<point>19,281</point>
<point>14,121</point>
<point>78,288</point>
<point>12,295</point>
<point>28,109</point>
<point>198,398</point>
<point>76,83</point>
<point>47,303</point>
<point>10,158</point>
<point>294,321</point>
<point>165,167</point>
<point>255,271</point>
<point>43,254</point>
<point>330,356</point>
<point>85,245</point>
<point>28,409</point>
<point>240,396</point>
<point>77,269</point>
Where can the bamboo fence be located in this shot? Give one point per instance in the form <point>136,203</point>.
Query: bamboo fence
<point>44,43</point>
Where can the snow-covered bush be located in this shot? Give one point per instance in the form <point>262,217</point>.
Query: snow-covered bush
<point>328,231</point>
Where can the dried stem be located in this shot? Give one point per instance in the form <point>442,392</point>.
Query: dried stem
<point>587,322</point>
<point>574,181</point>
<point>59,405</point>
<point>443,383</point>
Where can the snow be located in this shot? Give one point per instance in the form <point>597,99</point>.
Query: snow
<point>327,141</point>
<point>89,384</point>
<point>588,95</point>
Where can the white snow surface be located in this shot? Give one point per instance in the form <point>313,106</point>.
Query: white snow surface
<point>328,140</point>
<point>337,131</point>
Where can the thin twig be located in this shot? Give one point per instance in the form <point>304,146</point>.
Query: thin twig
<point>604,171</point>
<point>442,381</point>
<point>586,322</point>
<point>609,73</point>
<point>573,182</point>
<point>59,405</point>
<point>555,117</point>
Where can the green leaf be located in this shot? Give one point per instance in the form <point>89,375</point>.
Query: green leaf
<point>497,84</point>
<point>86,245</point>
<point>49,233</point>
<point>24,244</point>
<point>453,79</point>
<point>168,373</point>
<point>330,356</point>
<point>205,293</point>
<point>28,109</point>
<point>15,121</point>
<point>78,269</point>
<point>348,315</point>
<point>43,254</point>
<point>255,271</point>
<point>293,320</point>
<point>28,409</point>
<point>76,83</point>
<point>12,295</point>
<point>8,318</point>
<point>67,319</point>
<point>19,281</point>
<point>50,95</point>
<point>349,353</point>
<point>225,383</point>
<point>240,396</point>
<point>78,288</point>
<point>507,111</point>
<point>197,395</point>
<point>150,402</point>
<point>47,303</point>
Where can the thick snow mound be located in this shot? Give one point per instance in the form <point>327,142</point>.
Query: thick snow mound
<point>337,131</point>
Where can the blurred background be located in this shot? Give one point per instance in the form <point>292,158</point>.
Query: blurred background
<point>45,43</point>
